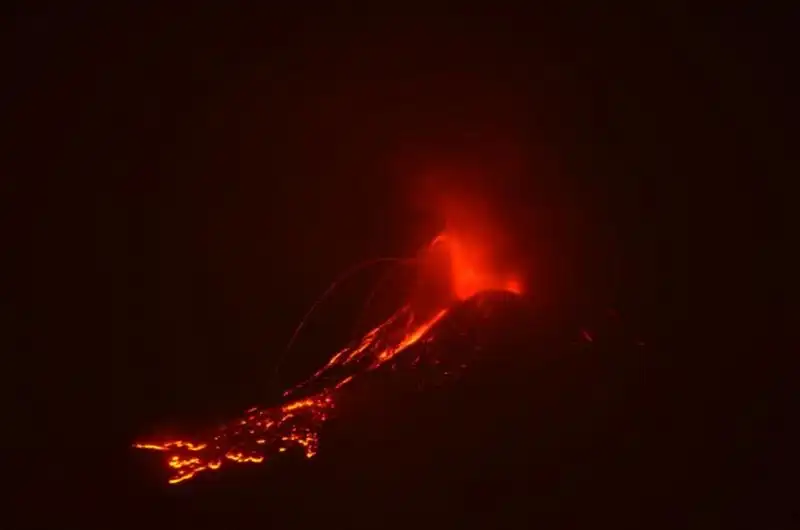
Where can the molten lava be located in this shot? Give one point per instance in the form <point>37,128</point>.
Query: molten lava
<point>262,433</point>
<point>470,271</point>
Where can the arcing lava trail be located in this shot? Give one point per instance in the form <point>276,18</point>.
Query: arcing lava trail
<point>264,432</point>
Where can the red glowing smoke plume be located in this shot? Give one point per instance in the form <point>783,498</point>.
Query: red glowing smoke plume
<point>463,260</point>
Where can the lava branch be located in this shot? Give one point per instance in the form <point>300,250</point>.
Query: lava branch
<point>263,433</point>
<point>251,439</point>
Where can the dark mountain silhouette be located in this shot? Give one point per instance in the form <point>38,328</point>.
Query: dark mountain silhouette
<point>546,422</point>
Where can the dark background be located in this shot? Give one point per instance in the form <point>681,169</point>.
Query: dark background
<point>184,183</point>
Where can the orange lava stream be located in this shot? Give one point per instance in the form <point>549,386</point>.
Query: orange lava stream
<point>264,432</point>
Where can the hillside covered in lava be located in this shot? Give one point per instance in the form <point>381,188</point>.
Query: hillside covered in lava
<point>506,412</point>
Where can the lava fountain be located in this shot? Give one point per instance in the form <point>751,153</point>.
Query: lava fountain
<point>461,262</point>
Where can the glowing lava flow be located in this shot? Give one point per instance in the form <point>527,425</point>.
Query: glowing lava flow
<point>264,432</point>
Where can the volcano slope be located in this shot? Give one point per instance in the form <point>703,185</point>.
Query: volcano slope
<point>504,417</point>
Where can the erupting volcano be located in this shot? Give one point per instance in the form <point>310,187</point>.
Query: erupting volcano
<point>453,268</point>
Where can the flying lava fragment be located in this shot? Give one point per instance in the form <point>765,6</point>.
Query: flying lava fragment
<point>263,433</point>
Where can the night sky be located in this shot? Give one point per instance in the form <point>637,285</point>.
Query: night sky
<point>185,183</point>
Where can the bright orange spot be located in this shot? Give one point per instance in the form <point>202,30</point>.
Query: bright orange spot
<point>152,447</point>
<point>298,405</point>
<point>178,463</point>
<point>344,381</point>
<point>187,476</point>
